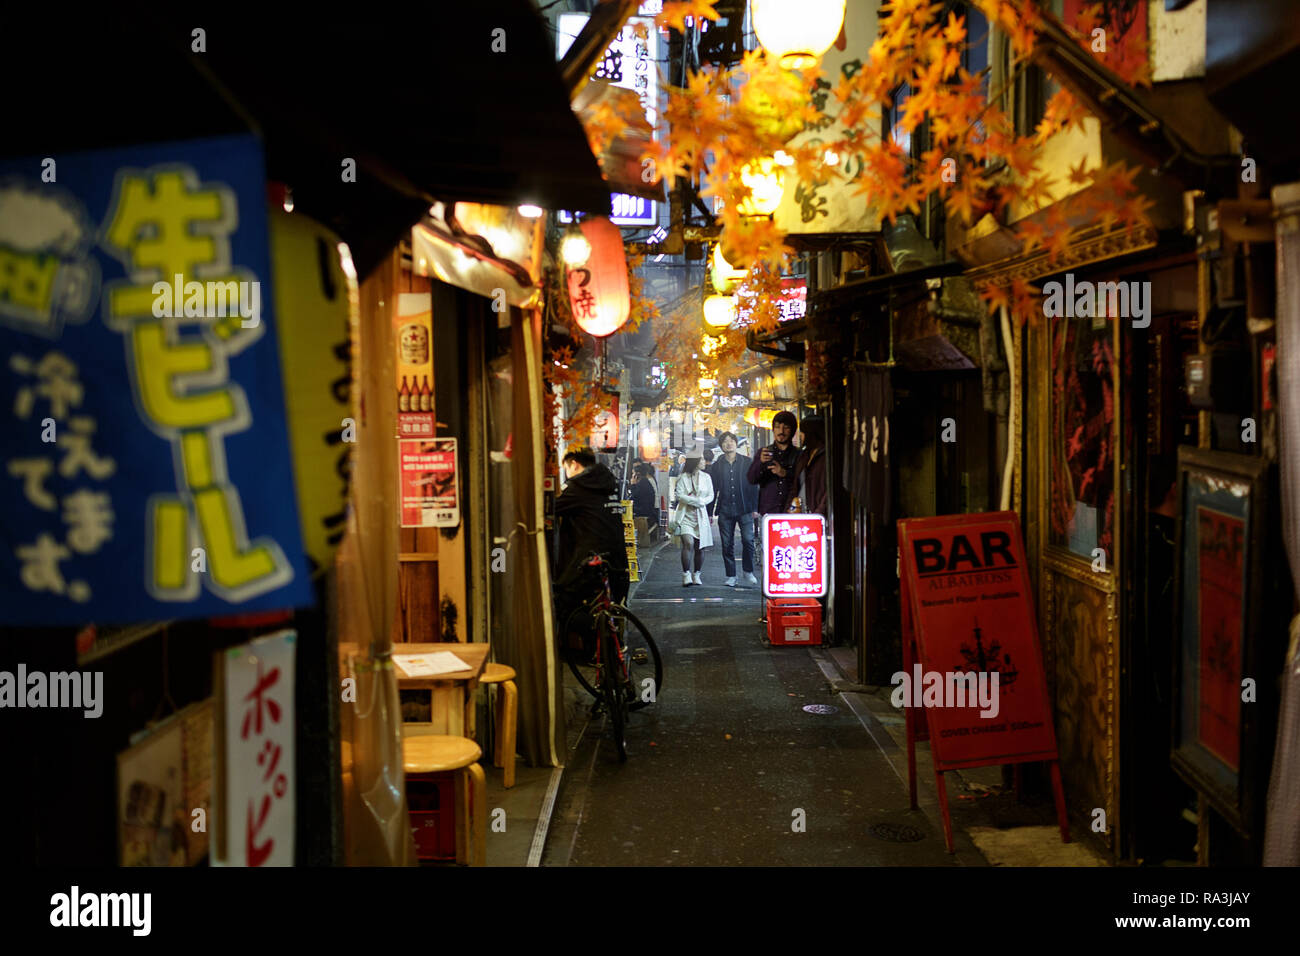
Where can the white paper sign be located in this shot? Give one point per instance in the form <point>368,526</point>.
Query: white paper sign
<point>258,741</point>
<point>429,665</point>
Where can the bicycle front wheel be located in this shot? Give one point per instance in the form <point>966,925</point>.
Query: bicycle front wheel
<point>614,690</point>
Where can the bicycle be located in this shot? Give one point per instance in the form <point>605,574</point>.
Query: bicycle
<point>626,672</point>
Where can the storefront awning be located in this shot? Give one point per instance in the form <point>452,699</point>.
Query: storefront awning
<point>440,102</point>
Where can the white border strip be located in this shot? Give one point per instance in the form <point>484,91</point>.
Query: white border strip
<point>544,818</point>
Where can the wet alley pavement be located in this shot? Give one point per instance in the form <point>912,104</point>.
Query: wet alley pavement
<point>727,768</point>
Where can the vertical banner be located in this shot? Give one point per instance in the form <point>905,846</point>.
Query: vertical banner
<point>413,330</point>
<point>794,555</point>
<point>430,493</point>
<point>256,766</point>
<point>1221,569</point>
<point>144,456</point>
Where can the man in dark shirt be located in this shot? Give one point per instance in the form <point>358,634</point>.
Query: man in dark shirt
<point>735,502</point>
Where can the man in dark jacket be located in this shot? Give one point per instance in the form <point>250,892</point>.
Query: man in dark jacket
<point>589,519</point>
<point>773,469</point>
<point>736,501</point>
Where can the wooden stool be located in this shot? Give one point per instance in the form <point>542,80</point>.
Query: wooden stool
<point>503,739</point>
<point>425,753</point>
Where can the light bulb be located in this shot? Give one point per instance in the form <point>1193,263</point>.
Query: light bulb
<point>575,249</point>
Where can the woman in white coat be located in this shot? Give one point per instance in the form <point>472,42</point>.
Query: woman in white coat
<point>694,492</point>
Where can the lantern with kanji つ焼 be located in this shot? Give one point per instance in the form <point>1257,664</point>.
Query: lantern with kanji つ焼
<point>598,293</point>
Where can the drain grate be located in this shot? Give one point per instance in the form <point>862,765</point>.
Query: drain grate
<point>820,709</point>
<point>896,833</point>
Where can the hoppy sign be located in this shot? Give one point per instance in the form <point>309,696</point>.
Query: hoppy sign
<point>794,549</point>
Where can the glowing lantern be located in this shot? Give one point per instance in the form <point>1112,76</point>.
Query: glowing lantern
<point>725,276</point>
<point>575,250</point>
<point>760,417</point>
<point>651,449</point>
<point>598,291</point>
<point>798,32</point>
<point>766,184</point>
<point>720,310</point>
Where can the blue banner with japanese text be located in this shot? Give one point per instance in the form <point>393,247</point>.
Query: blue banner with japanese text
<point>144,458</point>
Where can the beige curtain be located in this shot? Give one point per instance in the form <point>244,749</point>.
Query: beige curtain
<point>1282,828</point>
<point>543,693</point>
<point>378,831</point>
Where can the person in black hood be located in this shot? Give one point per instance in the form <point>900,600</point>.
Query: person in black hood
<point>589,519</point>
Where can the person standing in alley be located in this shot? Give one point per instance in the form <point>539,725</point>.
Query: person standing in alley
<point>735,502</point>
<point>694,492</point>
<point>644,494</point>
<point>773,470</point>
<point>807,491</point>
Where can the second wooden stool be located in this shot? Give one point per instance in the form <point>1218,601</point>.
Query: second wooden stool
<point>503,736</point>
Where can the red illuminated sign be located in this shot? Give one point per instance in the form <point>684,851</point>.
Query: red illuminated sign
<point>793,303</point>
<point>794,552</point>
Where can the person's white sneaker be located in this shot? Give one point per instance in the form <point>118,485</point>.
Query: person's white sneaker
<point>697,578</point>
<point>686,579</point>
<point>730,582</point>
<point>750,579</point>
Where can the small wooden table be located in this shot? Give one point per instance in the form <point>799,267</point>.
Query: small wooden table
<point>453,693</point>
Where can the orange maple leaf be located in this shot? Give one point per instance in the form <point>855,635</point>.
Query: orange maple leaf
<point>675,13</point>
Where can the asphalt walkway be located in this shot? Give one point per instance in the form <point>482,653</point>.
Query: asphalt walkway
<point>727,768</point>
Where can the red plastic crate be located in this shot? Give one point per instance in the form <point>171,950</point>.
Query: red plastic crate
<point>431,800</point>
<point>795,620</point>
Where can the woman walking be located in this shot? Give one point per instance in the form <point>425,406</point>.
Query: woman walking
<point>694,492</point>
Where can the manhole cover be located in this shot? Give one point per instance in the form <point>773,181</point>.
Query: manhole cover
<point>820,709</point>
<point>896,833</point>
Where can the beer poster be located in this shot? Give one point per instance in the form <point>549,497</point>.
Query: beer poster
<point>427,470</point>
<point>413,329</point>
<point>979,670</point>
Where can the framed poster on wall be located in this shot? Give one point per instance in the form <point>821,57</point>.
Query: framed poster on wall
<point>1220,590</point>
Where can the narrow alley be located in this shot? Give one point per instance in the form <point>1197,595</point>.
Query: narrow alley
<point>719,767</point>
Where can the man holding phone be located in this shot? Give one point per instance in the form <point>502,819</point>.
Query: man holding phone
<point>773,469</point>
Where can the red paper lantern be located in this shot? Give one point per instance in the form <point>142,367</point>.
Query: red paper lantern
<point>598,292</point>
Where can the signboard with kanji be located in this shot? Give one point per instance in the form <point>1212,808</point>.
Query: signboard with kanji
<point>255,767</point>
<point>792,305</point>
<point>794,555</point>
<point>144,456</point>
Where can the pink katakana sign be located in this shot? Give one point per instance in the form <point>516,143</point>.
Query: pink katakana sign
<point>257,775</point>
